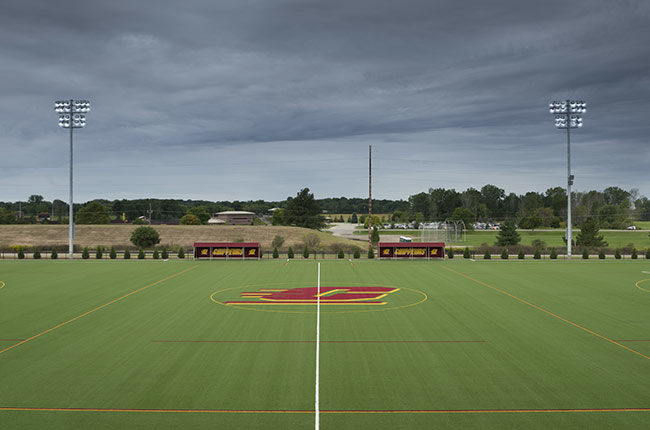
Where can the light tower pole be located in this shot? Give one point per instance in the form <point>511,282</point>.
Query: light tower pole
<point>71,115</point>
<point>568,114</point>
<point>369,197</point>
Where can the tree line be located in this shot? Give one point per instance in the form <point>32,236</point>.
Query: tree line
<point>611,208</point>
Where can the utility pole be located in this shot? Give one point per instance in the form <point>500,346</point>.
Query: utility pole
<point>369,197</point>
<point>149,212</point>
<point>20,210</point>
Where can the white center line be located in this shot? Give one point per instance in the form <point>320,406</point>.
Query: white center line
<point>317,406</point>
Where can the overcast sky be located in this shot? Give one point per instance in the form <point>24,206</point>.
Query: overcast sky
<point>255,99</point>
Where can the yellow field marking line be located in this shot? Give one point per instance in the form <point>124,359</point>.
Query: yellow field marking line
<point>339,411</point>
<point>549,312</point>
<point>3,284</point>
<point>640,287</point>
<point>97,308</point>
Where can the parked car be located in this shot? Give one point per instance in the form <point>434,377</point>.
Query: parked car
<point>632,227</point>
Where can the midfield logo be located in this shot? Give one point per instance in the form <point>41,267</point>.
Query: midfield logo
<point>309,296</point>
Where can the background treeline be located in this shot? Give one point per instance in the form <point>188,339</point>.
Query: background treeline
<point>172,210</point>
<point>611,208</point>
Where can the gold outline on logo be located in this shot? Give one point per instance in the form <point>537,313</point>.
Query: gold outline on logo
<point>247,308</point>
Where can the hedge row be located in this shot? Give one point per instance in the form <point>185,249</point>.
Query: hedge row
<point>539,253</point>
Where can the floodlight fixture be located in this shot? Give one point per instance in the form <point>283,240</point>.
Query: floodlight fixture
<point>72,114</point>
<point>568,115</point>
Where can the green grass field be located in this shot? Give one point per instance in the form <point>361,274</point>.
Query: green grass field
<point>455,344</point>
<point>615,239</point>
<point>644,225</point>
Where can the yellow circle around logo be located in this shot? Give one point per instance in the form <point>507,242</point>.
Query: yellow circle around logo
<point>421,299</point>
<point>640,287</point>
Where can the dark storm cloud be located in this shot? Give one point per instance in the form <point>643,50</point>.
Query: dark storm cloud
<point>277,87</point>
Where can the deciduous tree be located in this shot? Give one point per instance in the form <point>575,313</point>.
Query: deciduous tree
<point>93,213</point>
<point>145,237</point>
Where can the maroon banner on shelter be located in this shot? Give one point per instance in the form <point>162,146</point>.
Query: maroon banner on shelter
<point>226,250</point>
<point>412,250</point>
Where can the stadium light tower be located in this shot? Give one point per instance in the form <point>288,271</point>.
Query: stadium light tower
<point>568,114</point>
<point>71,115</point>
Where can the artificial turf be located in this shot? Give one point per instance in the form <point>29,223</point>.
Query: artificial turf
<point>461,344</point>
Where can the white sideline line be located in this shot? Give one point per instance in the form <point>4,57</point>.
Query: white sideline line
<point>317,406</point>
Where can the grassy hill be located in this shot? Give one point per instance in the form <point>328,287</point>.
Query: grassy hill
<point>170,235</point>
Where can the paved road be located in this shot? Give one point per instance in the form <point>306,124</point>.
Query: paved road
<point>346,230</point>
<point>343,229</point>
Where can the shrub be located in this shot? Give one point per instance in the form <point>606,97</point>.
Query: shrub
<point>508,235</point>
<point>181,253</point>
<point>538,254</point>
<point>601,254</point>
<point>112,254</point>
<point>521,254</point>
<point>305,253</point>
<point>357,253</point>
<point>466,253</point>
<point>155,254</point>
<point>504,254</point>
<point>635,254</point>
<point>341,254</point>
<point>371,254</point>
<point>450,254</point>
<point>21,253</point>
<point>585,254</point>
<point>127,254</point>
<point>140,254</point>
<point>85,254</point>
<point>37,254</point>
<point>54,255</point>
<point>276,254</point>
<point>165,253</point>
<point>617,254</point>
<point>538,243</point>
<point>588,234</point>
<point>290,253</point>
<point>553,255</point>
<point>277,241</point>
<point>374,236</point>
<point>647,254</point>
<point>145,237</point>
<point>99,252</point>
<point>190,219</point>
<point>311,240</point>
<point>487,255</point>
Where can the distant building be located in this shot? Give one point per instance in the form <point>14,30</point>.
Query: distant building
<point>233,217</point>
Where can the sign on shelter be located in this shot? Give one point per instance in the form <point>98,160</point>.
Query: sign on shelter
<point>227,250</point>
<point>412,250</point>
